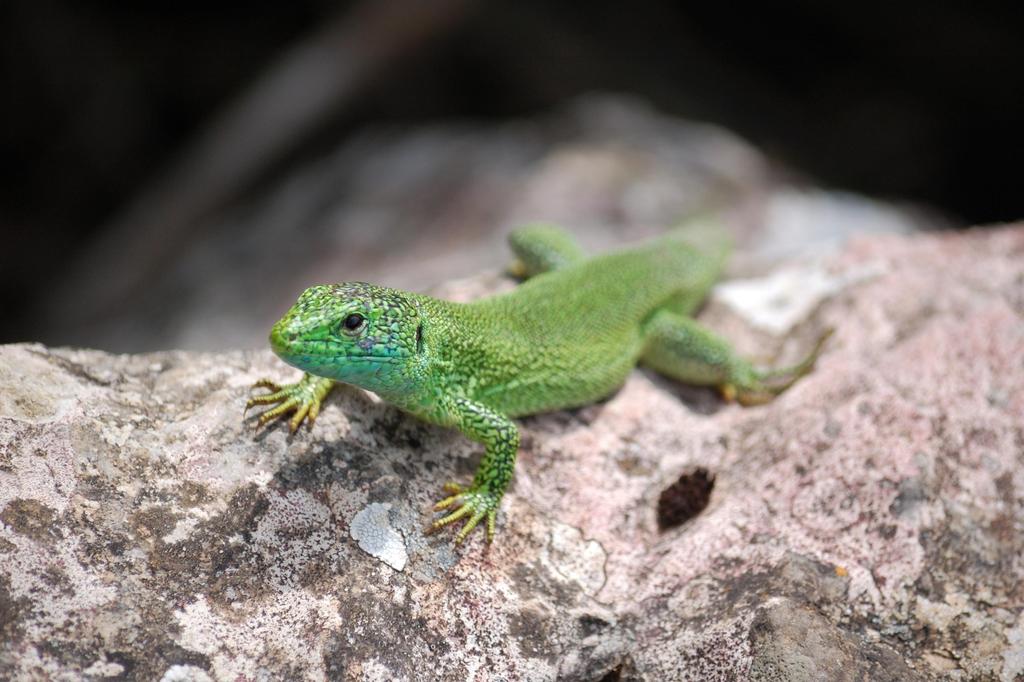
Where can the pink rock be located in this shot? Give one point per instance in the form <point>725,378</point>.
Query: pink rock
<point>867,524</point>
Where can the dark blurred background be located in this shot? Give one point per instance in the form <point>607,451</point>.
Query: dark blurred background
<point>128,125</point>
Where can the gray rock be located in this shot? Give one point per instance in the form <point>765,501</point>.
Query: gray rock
<point>865,525</point>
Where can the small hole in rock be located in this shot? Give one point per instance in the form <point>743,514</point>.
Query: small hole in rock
<point>685,498</point>
<point>613,675</point>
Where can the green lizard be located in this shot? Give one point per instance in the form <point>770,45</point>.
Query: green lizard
<point>566,337</point>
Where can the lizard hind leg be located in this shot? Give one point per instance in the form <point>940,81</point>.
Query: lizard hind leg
<point>680,348</point>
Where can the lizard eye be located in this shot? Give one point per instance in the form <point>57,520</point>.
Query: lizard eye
<point>352,323</point>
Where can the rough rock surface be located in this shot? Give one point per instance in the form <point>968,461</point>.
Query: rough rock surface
<point>868,524</point>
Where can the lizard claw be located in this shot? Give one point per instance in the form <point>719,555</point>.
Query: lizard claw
<point>476,503</point>
<point>302,398</point>
<point>761,386</point>
<point>265,399</point>
<point>267,383</point>
<point>453,488</point>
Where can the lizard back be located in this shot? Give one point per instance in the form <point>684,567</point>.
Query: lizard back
<point>569,337</point>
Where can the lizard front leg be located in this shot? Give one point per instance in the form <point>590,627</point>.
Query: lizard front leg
<point>303,398</point>
<point>481,499</point>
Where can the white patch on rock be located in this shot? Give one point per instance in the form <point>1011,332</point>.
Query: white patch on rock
<point>1013,655</point>
<point>372,529</point>
<point>185,673</point>
<point>783,299</point>
<point>181,530</point>
<point>104,669</point>
<point>577,558</point>
<point>941,615</point>
<point>261,478</point>
<point>373,670</point>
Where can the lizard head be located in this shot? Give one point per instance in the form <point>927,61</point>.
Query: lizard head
<point>353,332</point>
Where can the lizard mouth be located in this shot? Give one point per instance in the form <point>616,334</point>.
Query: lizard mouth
<point>298,352</point>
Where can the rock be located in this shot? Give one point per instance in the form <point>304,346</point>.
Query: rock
<point>867,524</point>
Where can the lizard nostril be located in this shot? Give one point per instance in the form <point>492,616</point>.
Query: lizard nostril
<point>685,498</point>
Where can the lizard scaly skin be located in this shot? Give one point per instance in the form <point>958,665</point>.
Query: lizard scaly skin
<point>566,337</point>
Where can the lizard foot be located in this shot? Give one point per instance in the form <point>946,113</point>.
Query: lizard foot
<point>302,398</point>
<point>758,387</point>
<point>475,502</point>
